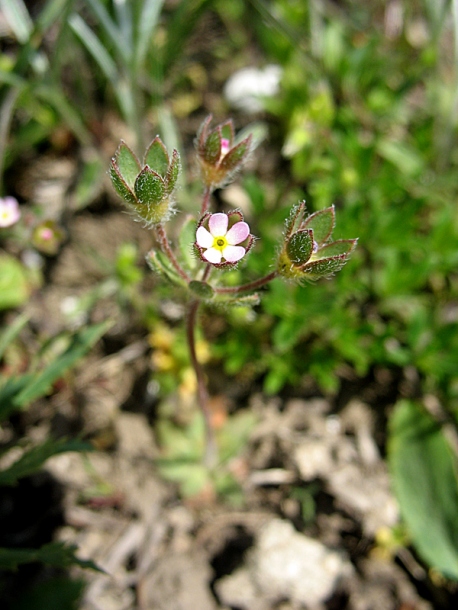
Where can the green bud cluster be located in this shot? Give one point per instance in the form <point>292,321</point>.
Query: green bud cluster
<point>308,252</point>
<point>146,188</point>
<point>219,157</point>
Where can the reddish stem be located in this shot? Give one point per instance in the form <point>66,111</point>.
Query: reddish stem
<point>254,285</point>
<point>211,454</point>
<point>205,201</point>
<point>163,240</point>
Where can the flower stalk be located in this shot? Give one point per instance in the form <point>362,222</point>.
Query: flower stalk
<point>220,240</point>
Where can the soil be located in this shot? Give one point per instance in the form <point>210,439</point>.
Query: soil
<point>314,528</point>
<point>313,472</point>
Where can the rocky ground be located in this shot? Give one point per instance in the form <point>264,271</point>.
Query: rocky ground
<point>315,527</point>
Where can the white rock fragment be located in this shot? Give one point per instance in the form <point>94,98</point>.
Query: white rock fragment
<point>313,459</point>
<point>367,493</point>
<point>247,87</point>
<point>284,564</point>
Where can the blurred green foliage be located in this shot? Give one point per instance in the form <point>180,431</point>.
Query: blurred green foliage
<point>423,466</point>
<point>366,120</point>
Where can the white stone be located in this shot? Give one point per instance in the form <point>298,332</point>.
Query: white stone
<point>285,564</point>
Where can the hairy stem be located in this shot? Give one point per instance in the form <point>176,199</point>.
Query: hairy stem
<point>205,201</point>
<point>163,240</point>
<point>210,457</point>
<point>254,285</point>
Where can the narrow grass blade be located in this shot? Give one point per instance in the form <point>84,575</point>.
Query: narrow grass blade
<point>95,47</point>
<point>18,17</point>
<point>11,332</point>
<point>110,28</point>
<point>81,343</point>
<point>148,20</point>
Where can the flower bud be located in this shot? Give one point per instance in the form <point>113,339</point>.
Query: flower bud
<point>147,189</point>
<point>218,157</point>
<point>47,237</point>
<point>308,253</point>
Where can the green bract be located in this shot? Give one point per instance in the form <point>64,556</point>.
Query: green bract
<point>146,189</point>
<point>219,158</point>
<point>308,253</point>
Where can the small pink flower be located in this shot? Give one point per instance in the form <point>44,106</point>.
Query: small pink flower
<point>225,146</point>
<point>9,211</point>
<point>220,243</point>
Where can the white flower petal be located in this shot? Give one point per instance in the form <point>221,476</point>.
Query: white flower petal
<point>204,238</point>
<point>233,253</point>
<point>218,224</point>
<point>9,211</point>
<point>212,255</point>
<point>237,233</point>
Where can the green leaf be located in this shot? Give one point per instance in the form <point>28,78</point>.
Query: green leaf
<point>128,164</point>
<point>120,185</point>
<point>57,554</point>
<point>404,157</point>
<point>424,470</point>
<point>173,171</point>
<point>233,300</point>
<point>11,332</point>
<point>149,187</point>
<point>227,131</point>
<point>201,289</point>
<point>294,215</point>
<point>300,246</point>
<point>212,148</point>
<point>19,392</point>
<point>160,263</point>
<point>157,157</point>
<point>9,389</point>
<point>34,458</point>
<point>323,267</point>
<point>191,477</point>
<point>233,437</point>
<point>57,592</point>
<point>322,223</point>
<point>336,248</point>
<point>186,240</point>
<point>14,287</point>
<point>236,155</point>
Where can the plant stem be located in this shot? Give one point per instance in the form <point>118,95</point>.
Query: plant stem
<point>163,240</point>
<point>205,201</point>
<point>254,285</point>
<point>211,455</point>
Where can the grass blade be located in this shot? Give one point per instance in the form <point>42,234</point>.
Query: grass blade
<point>110,28</point>
<point>79,346</point>
<point>11,332</point>
<point>95,47</point>
<point>18,17</point>
<point>148,20</point>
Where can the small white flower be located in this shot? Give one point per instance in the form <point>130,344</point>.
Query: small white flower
<point>218,244</point>
<point>9,211</point>
<point>248,88</point>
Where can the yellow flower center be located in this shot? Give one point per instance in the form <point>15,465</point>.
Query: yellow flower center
<point>219,243</point>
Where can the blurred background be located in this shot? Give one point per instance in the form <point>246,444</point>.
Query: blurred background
<point>352,104</point>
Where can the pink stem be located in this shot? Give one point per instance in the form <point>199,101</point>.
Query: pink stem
<point>211,454</point>
<point>163,240</point>
<point>262,281</point>
<point>205,201</point>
